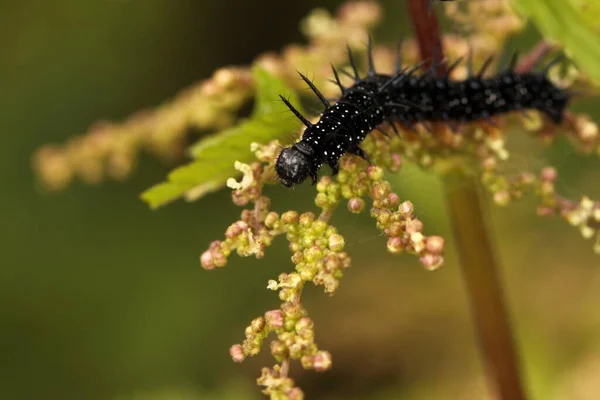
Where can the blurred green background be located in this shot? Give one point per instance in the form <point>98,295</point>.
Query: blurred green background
<point>103,299</point>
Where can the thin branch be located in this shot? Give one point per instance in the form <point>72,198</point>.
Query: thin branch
<point>285,368</point>
<point>326,215</point>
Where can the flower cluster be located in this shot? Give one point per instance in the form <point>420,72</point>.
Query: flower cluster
<point>295,341</point>
<point>396,220</point>
<point>109,150</point>
<point>584,214</point>
<point>317,250</point>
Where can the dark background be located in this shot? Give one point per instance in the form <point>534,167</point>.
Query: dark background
<point>102,298</point>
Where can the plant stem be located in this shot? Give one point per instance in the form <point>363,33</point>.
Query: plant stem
<point>285,368</point>
<point>475,250</point>
<point>480,273</point>
<point>427,30</point>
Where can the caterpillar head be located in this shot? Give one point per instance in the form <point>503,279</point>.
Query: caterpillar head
<point>295,164</point>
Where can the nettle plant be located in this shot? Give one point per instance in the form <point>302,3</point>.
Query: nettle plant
<point>464,143</point>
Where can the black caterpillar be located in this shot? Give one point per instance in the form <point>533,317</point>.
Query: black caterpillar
<point>408,98</point>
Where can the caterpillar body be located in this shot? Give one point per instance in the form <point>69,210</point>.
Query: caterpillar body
<point>409,98</point>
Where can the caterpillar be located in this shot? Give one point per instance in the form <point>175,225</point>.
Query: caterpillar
<point>409,98</point>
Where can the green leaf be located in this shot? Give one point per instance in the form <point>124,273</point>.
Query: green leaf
<point>215,155</point>
<point>572,23</point>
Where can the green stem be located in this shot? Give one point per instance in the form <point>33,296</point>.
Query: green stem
<point>480,272</point>
<point>475,251</point>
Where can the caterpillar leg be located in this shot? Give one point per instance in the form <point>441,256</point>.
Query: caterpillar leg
<point>335,167</point>
<point>314,177</point>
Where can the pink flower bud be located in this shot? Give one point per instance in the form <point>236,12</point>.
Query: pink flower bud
<point>406,208</point>
<point>395,245</point>
<point>502,198</point>
<point>295,394</point>
<point>233,231</point>
<point>274,318</point>
<point>431,261</point>
<point>396,162</point>
<point>548,174</point>
<point>206,260</point>
<point>489,164</point>
<point>356,205</point>
<point>434,244</point>
<point>393,199</point>
<point>322,361</point>
<point>237,353</point>
<point>414,226</point>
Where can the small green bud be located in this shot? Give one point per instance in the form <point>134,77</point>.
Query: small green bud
<point>347,192</point>
<point>307,272</point>
<point>313,254</point>
<point>271,219</point>
<point>322,201</point>
<point>324,183</point>
<point>342,176</point>
<point>319,227</point>
<point>336,242</point>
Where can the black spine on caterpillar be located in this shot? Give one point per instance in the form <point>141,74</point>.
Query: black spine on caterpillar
<point>439,99</point>
<point>409,99</point>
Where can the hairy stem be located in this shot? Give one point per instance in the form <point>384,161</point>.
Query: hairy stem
<point>475,250</point>
<point>480,273</point>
